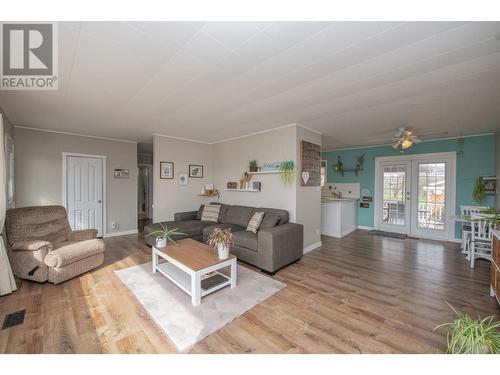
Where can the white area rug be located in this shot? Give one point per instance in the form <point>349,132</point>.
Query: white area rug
<point>185,324</point>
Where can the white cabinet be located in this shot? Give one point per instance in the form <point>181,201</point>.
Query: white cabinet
<point>338,217</point>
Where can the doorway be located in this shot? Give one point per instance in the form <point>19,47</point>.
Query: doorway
<point>83,191</point>
<point>144,194</point>
<point>415,194</point>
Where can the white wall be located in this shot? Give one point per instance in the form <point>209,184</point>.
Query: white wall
<point>231,160</point>
<point>168,196</point>
<point>38,175</point>
<point>308,198</point>
<point>226,161</point>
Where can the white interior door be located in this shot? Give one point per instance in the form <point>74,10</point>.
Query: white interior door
<point>415,195</point>
<point>84,178</point>
<point>395,194</point>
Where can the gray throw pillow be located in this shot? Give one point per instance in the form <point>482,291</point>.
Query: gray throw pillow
<point>200,211</point>
<point>270,220</point>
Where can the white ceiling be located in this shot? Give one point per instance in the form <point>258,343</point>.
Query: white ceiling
<point>355,82</point>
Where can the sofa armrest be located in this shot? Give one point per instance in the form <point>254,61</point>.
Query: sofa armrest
<point>31,245</point>
<point>280,246</point>
<point>184,216</point>
<point>82,235</point>
<point>73,253</point>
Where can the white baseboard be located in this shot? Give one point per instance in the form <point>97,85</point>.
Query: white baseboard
<point>124,233</point>
<point>312,247</point>
<point>362,227</point>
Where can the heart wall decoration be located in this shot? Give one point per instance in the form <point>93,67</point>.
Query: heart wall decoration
<point>305,177</point>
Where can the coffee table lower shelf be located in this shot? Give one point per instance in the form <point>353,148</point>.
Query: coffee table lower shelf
<point>190,281</point>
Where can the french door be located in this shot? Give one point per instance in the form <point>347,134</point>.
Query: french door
<point>415,195</point>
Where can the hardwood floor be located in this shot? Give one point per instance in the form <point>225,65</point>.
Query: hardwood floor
<point>359,294</point>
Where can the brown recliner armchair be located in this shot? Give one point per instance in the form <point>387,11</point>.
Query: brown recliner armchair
<point>41,245</point>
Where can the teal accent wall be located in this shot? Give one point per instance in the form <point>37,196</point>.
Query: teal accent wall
<point>475,157</point>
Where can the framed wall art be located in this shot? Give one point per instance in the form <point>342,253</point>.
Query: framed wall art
<point>166,170</point>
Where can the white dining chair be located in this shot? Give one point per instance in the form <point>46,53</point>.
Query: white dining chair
<point>481,241</point>
<point>466,228</point>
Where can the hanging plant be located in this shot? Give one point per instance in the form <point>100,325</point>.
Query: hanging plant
<point>337,167</point>
<point>360,159</point>
<point>287,172</point>
<point>479,191</point>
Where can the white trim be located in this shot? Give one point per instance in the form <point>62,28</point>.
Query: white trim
<point>182,139</point>
<point>451,191</point>
<point>238,137</point>
<point>426,140</point>
<point>311,247</point>
<point>73,134</point>
<point>363,227</point>
<point>104,178</point>
<point>122,233</point>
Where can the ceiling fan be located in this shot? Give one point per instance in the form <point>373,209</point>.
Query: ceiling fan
<point>404,138</point>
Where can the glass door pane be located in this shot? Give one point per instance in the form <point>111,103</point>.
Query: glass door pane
<point>394,195</point>
<point>431,196</point>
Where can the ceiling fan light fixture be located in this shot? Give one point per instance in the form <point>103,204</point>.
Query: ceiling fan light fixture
<point>407,143</point>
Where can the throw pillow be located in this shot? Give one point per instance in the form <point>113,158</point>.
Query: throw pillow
<point>200,211</point>
<point>255,221</point>
<point>270,220</point>
<point>210,213</point>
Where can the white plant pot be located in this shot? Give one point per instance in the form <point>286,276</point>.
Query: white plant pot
<point>223,251</point>
<point>161,242</point>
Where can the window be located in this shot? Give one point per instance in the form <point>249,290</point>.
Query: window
<point>323,173</point>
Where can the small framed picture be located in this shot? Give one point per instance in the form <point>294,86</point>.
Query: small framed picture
<point>256,185</point>
<point>195,171</point>
<point>183,178</point>
<point>166,169</point>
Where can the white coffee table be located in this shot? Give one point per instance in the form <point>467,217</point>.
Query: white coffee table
<point>188,263</point>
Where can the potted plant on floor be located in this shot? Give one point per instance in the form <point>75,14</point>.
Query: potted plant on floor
<point>221,239</point>
<point>164,235</point>
<point>472,336</point>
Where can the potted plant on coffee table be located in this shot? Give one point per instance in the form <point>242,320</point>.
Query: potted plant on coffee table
<point>221,239</point>
<point>165,235</point>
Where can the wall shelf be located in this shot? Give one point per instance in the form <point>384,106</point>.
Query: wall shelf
<point>264,172</point>
<point>244,190</point>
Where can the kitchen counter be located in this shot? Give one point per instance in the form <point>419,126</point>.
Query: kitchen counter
<point>338,216</point>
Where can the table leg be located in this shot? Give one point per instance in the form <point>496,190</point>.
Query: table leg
<point>233,273</point>
<point>154,260</point>
<point>196,289</point>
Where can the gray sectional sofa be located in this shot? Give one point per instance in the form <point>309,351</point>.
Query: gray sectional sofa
<point>277,243</point>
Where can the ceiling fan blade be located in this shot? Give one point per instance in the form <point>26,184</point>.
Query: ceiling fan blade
<point>396,144</point>
<point>416,140</point>
<point>399,132</point>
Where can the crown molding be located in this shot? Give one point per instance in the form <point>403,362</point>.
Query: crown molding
<point>73,134</point>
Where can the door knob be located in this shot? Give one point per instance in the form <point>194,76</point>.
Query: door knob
<point>99,201</point>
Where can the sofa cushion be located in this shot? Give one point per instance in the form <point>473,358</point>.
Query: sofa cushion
<point>210,228</point>
<point>223,211</point>
<point>211,213</point>
<point>246,239</point>
<point>239,215</point>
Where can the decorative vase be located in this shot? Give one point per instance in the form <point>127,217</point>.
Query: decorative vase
<point>223,251</point>
<point>161,242</point>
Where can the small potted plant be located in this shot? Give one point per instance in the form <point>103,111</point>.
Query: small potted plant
<point>221,239</point>
<point>252,166</point>
<point>472,336</point>
<point>164,234</point>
